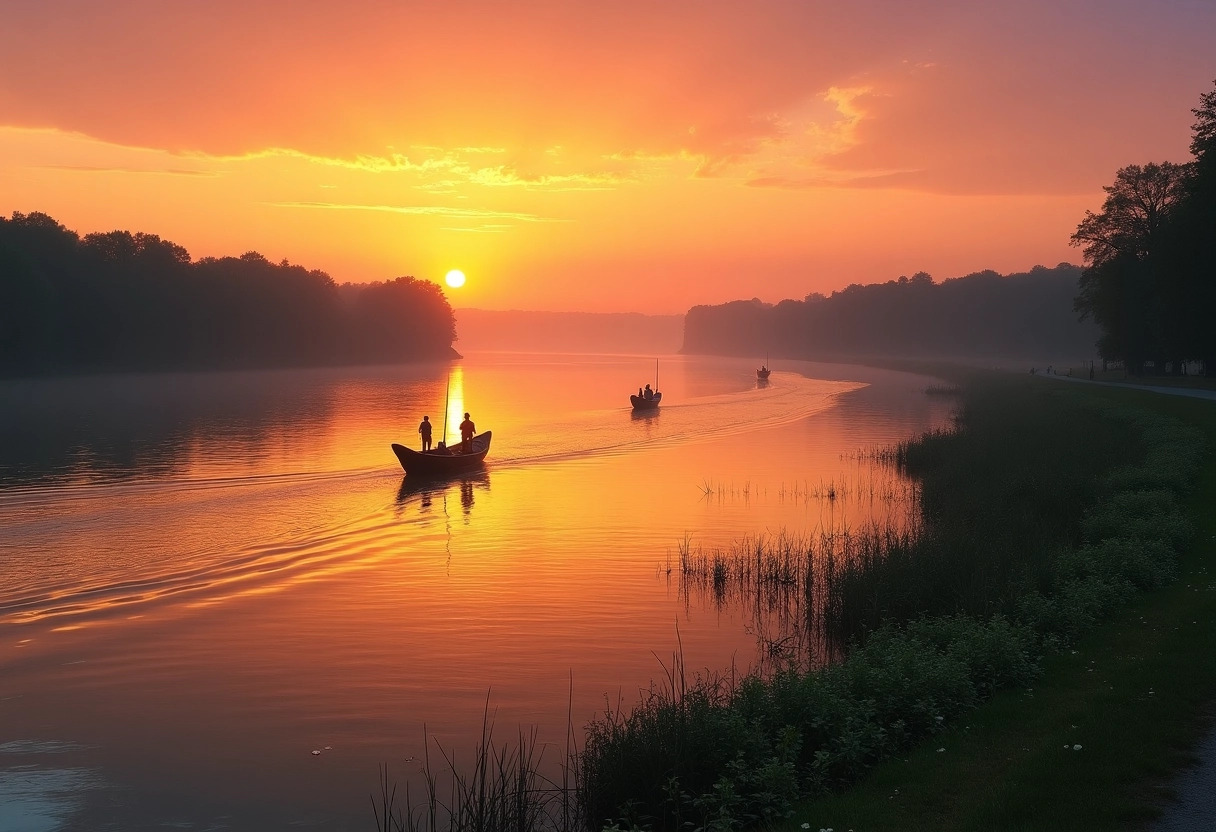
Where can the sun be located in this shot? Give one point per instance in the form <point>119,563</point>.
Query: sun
<point>455,278</point>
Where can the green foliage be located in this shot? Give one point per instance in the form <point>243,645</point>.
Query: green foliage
<point>1138,515</point>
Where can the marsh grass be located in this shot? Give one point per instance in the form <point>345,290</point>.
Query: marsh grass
<point>505,788</point>
<point>876,485</point>
<point>792,588</point>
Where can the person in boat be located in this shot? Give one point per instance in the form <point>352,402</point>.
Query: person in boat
<point>467,431</point>
<point>425,430</point>
<point>648,395</point>
<point>640,395</point>
<point>442,449</point>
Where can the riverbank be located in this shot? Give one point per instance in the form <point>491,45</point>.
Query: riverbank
<point>1093,742</point>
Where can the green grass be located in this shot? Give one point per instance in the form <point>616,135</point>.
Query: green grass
<point>1137,689</point>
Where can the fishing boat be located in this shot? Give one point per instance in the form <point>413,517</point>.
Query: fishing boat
<point>651,402</point>
<point>643,403</point>
<point>763,370</point>
<point>444,461</point>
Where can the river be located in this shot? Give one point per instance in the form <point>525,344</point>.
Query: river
<point>206,578</point>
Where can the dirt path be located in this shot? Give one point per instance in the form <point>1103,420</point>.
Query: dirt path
<point>1189,392</point>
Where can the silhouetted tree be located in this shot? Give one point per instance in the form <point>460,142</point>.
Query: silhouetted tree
<point>1191,249</point>
<point>1151,258</point>
<point>119,300</point>
<point>980,315</point>
<point>1123,285</point>
<point>400,318</point>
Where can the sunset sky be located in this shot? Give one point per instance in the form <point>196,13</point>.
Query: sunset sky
<point>622,156</point>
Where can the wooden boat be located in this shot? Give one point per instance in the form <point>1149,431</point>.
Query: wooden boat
<point>443,463</point>
<point>762,373</point>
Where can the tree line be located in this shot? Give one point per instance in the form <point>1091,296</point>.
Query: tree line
<point>1150,258</point>
<point>981,315</point>
<point>133,301</point>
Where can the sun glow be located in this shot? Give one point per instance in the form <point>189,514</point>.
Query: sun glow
<point>455,278</point>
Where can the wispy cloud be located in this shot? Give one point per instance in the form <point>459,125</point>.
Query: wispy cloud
<point>112,169</point>
<point>842,179</point>
<point>454,164</point>
<point>423,210</point>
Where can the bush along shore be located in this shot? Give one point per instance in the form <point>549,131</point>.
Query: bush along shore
<point>1043,510</point>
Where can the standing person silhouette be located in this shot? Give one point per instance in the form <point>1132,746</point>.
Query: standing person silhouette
<point>467,431</point>
<point>425,430</point>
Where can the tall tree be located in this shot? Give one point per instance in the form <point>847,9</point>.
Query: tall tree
<point>1192,246</point>
<point>1123,286</point>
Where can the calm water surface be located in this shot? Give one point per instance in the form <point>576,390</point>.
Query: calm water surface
<point>206,577</point>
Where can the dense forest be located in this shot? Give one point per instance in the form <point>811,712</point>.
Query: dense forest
<point>123,301</point>
<point>1150,259</point>
<point>981,316</point>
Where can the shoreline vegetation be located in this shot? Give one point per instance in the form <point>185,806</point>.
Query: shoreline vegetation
<point>1050,514</point>
<point>123,302</point>
<point>985,316</point>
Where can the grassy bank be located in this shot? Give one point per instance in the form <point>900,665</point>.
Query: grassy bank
<point>1134,693</point>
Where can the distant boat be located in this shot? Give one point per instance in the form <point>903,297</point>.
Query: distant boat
<point>449,461</point>
<point>764,370</point>
<point>643,403</point>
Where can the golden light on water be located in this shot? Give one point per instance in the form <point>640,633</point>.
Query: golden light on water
<point>455,403</point>
<point>455,278</point>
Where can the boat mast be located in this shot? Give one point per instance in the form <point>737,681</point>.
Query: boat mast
<point>656,375</point>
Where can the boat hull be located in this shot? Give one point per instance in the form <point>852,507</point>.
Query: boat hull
<point>762,374</point>
<point>433,463</point>
<point>640,403</point>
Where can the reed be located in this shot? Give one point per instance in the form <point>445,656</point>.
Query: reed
<point>504,788</point>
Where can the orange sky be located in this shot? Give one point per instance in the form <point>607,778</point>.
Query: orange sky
<point>624,156</point>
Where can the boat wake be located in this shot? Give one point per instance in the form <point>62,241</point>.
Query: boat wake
<point>788,398</point>
<point>95,551</point>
